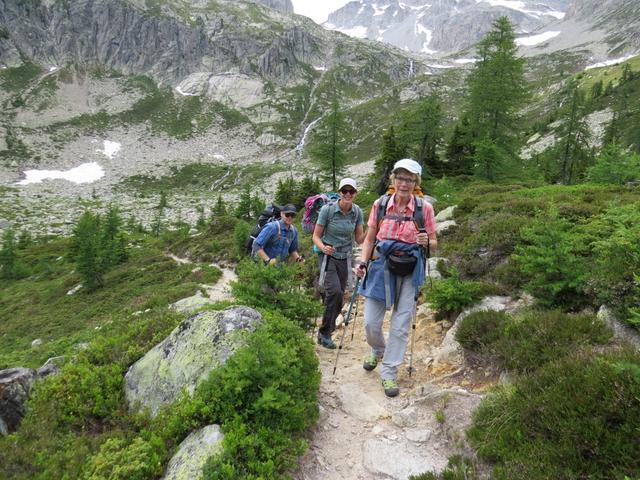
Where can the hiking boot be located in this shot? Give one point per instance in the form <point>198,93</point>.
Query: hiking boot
<point>390,387</point>
<point>326,342</point>
<point>370,362</point>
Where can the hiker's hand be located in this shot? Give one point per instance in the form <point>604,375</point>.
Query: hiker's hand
<point>328,250</point>
<point>360,270</point>
<point>423,239</point>
<point>272,261</point>
<point>300,259</point>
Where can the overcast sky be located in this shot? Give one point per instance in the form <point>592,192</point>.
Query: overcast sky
<point>317,10</point>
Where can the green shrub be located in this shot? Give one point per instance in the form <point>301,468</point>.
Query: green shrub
<point>615,165</point>
<point>122,460</point>
<point>80,395</point>
<point>276,289</point>
<point>538,337</point>
<point>617,259</point>
<point>552,261</point>
<point>450,295</point>
<point>576,418</point>
<point>479,331</point>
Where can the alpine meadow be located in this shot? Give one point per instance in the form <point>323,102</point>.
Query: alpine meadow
<point>148,332</point>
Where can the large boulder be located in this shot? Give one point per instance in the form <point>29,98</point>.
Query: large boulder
<point>193,453</point>
<point>15,386</point>
<point>186,357</point>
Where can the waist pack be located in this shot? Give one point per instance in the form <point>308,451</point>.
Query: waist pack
<point>401,265</point>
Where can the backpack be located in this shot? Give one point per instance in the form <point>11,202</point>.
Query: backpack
<point>312,206</point>
<point>268,215</point>
<point>418,217</point>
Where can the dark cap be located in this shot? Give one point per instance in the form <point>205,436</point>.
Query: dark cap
<point>289,208</point>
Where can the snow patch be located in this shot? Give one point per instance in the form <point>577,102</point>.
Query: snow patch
<point>85,173</point>
<point>521,7</point>
<point>379,10</point>
<point>320,69</point>
<point>53,69</point>
<point>110,148</point>
<point>435,65</point>
<point>185,94</point>
<point>536,39</point>
<point>355,32</point>
<point>610,62</point>
<point>463,61</point>
<point>421,30</point>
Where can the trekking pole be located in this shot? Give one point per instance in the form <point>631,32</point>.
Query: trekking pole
<point>426,252</point>
<point>346,323</point>
<point>355,317</point>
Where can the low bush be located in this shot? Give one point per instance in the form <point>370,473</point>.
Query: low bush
<point>450,295</point>
<point>575,418</point>
<point>277,289</point>
<point>537,337</point>
<point>479,331</point>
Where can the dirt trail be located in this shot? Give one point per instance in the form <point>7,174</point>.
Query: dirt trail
<point>362,434</point>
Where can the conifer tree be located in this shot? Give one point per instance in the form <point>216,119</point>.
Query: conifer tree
<point>219,209</point>
<point>111,239</point>
<point>422,132</point>
<point>390,153</point>
<point>328,149</point>
<point>574,152</point>
<point>286,191</point>
<point>8,257</point>
<point>243,209</point>
<point>307,187</point>
<point>460,150</point>
<point>86,241</point>
<point>497,92</point>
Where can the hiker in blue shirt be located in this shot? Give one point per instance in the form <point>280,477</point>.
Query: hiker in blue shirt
<point>279,239</point>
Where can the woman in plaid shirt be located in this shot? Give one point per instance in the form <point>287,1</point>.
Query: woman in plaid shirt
<point>391,236</point>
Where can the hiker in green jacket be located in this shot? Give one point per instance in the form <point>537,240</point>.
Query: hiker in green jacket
<point>339,224</point>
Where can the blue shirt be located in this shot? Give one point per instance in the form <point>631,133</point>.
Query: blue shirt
<point>277,240</point>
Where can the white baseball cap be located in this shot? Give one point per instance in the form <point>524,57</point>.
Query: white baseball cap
<point>348,181</point>
<point>408,165</point>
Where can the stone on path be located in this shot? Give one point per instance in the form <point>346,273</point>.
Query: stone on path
<point>359,404</point>
<point>399,461</point>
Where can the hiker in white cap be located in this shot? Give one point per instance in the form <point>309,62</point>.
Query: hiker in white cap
<point>402,228</point>
<point>338,225</point>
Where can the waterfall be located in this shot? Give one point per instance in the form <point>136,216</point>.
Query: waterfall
<point>300,146</point>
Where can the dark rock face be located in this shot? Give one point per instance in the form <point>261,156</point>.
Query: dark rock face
<point>15,386</point>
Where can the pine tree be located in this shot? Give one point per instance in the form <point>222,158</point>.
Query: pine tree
<point>286,191</point>
<point>422,132</point>
<point>328,148</point>
<point>243,209</point>
<point>86,241</point>
<point>460,150</point>
<point>219,209</point>
<point>8,257</point>
<point>574,152</point>
<point>110,243</point>
<point>307,187</point>
<point>390,153</point>
<point>497,92</point>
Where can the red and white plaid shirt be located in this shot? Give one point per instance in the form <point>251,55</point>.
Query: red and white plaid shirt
<point>404,231</point>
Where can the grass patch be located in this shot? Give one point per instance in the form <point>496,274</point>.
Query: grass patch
<point>16,79</point>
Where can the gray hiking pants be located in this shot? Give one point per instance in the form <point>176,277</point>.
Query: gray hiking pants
<point>335,283</point>
<point>392,353</point>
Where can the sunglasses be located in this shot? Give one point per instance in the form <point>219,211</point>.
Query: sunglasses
<point>290,214</point>
<point>350,191</point>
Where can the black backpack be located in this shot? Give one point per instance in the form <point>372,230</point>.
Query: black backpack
<point>268,215</point>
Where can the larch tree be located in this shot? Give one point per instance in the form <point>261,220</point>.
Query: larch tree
<point>497,92</point>
<point>328,148</point>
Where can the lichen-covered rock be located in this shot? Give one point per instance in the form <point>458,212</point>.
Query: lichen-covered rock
<point>193,453</point>
<point>15,386</point>
<point>187,356</point>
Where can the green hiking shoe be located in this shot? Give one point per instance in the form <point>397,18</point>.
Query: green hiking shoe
<point>326,342</point>
<point>370,362</point>
<point>390,387</point>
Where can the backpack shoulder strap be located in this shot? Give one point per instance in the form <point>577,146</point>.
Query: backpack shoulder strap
<point>383,201</point>
<point>418,216</point>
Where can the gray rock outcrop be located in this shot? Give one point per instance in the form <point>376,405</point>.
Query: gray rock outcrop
<point>186,357</point>
<point>620,330</point>
<point>15,387</point>
<point>193,453</point>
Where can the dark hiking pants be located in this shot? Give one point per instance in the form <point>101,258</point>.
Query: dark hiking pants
<point>335,283</point>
